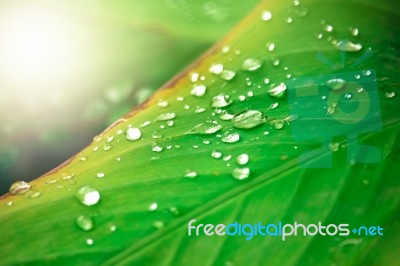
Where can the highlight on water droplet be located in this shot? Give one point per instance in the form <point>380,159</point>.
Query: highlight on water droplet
<point>19,188</point>
<point>278,91</point>
<point>85,222</point>
<point>266,15</point>
<point>133,134</point>
<point>335,83</point>
<point>248,119</point>
<point>208,127</point>
<point>216,69</point>
<point>87,195</point>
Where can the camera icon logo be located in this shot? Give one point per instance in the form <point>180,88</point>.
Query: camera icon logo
<point>334,105</point>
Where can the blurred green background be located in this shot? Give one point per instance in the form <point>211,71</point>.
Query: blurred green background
<point>68,69</point>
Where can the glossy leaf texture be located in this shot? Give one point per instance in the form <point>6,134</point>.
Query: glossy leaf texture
<point>184,163</point>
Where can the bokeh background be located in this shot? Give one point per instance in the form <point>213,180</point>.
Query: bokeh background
<point>69,68</point>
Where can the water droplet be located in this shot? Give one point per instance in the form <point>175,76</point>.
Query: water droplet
<point>67,176</point>
<point>133,133</point>
<point>156,147</point>
<point>360,90</point>
<point>119,132</point>
<point>170,123</point>
<point>156,134</point>
<point>174,210</point>
<point>166,116</point>
<point>319,35</point>
<point>107,147</point>
<point>110,139</point>
<point>158,224</point>
<point>328,28</point>
<point>153,206</point>
<point>251,64</point>
<point>226,116</point>
<point>335,83</point>
<point>19,188</point>
<point>198,90</point>
<point>100,175</point>
<point>278,91</point>
<point>353,31</point>
<point>208,127</point>
<point>248,119</point>
<point>390,94</point>
<point>206,141</point>
<point>228,75</point>
<point>216,154</point>
<point>194,77</point>
<point>87,195</point>
<point>270,47</point>
<point>177,146</point>
<point>250,94</point>
<point>275,62</point>
<point>241,98</point>
<point>300,11</point>
<point>51,180</point>
<point>89,241</point>
<point>145,124</point>
<point>266,15</point>
<point>273,106</point>
<point>278,125</point>
<point>366,72</point>
<point>289,20</point>
<point>266,133</point>
<point>242,159</point>
<point>85,222</point>
<point>199,110</point>
<point>216,69</point>
<point>33,194</point>
<point>348,95</point>
<point>162,103</point>
<point>241,173</point>
<point>113,228</point>
<point>190,174</point>
<point>357,76</point>
<point>227,158</point>
<point>266,81</point>
<point>9,203</point>
<point>230,136</point>
<point>348,46</point>
<point>225,49</point>
<point>220,100</point>
<point>83,158</point>
<point>334,146</point>
<point>331,109</point>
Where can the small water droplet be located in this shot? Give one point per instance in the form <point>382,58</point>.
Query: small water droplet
<point>266,15</point>
<point>250,94</point>
<point>166,116</point>
<point>153,206</point>
<point>133,134</point>
<point>83,158</point>
<point>113,228</point>
<point>241,173</point>
<point>228,75</point>
<point>51,181</point>
<point>190,174</point>
<point>270,47</point>
<point>331,109</point>
<point>199,109</point>
<point>266,81</point>
<point>206,141</point>
<point>227,158</point>
<point>158,224</point>
<point>289,20</point>
<point>180,99</point>
<point>278,91</point>
<point>216,154</point>
<point>334,146</point>
<point>100,175</point>
<point>156,134</point>
<point>220,100</point>
<point>19,188</point>
<point>348,46</point>
<point>9,203</point>
<point>110,139</point>
<point>300,11</point>
<point>119,132</point>
<point>348,95</point>
<point>177,146</point>
<point>366,72</point>
<point>230,136</point>
<point>162,103</point>
<point>145,124</point>
<point>275,62</point>
<point>84,222</point>
<point>226,116</point>
<point>216,69</point>
<point>248,119</point>
<point>273,106</point>
<point>107,147</point>
<point>208,127</point>
<point>266,133</point>
<point>278,125</point>
<point>353,31</point>
<point>198,90</point>
<point>170,123</point>
<point>156,147</point>
<point>360,90</point>
<point>87,195</point>
<point>89,241</point>
<point>328,28</point>
<point>335,83</point>
<point>33,194</point>
<point>357,76</point>
<point>390,94</point>
<point>194,77</point>
<point>225,49</point>
<point>242,159</point>
<point>241,98</point>
<point>174,210</point>
<point>251,64</point>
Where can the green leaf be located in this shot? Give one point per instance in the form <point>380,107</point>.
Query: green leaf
<point>150,188</point>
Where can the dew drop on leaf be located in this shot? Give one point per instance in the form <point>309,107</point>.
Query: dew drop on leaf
<point>190,173</point>
<point>84,222</point>
<point>335,83</point>
<point>87,195</point>
<point>133,133</point>
<point>266,15</point>
<point>248,119</point>
<point>390,94</point>
<point>242,159</point>
<point>166,116</point>
<point>241,173</point>
<point>198,90</point>
<point>278,91</point>
<point>251,64</point>
<point>153,206</point>
<point>220,100</point>
<point>100,175</point>
<point>19,188</point>
<point>230,136</point>
<point>228,75</point>
<point>208,127</point>
<point>216,69</point>
<point>348,46</point>
<point>216,154</point>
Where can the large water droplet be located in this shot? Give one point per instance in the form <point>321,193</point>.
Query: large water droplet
<point>198,90</point>
<point>87,195</point>
<point>278,91</point>
<point>208,127</point>
<point>241,173</point>
<point>348,46</point>
<point>166,116</point>
<point>133,133</point>
<point>251,64</point>
<point>230,136</point>
<point>335,83</point>
<point>19,188</point>
<point>248,119</point>
<point>85,222</point>
<point>242,159</point>
<point>220,100</point>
